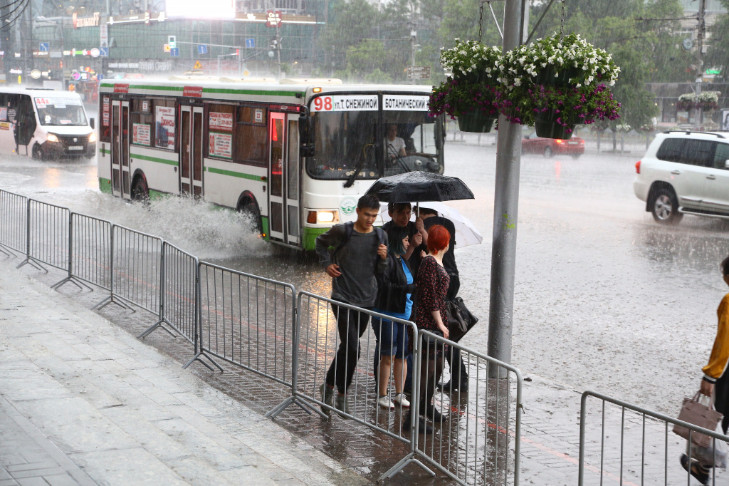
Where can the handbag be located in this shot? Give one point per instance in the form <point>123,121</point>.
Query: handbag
<point>695,412</point>
<point>460,319</point>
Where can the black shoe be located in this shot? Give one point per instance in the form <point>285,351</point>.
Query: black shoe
<point>423,427</point>
<point>697,470</point>
<point>432,413</point>
<point>448,387</point>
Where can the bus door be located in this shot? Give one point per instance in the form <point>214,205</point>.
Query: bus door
<point>120,180</point>
<point>191,145</point>
<point>283,177</point>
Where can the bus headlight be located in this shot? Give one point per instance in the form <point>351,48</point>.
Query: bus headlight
<point>322,217</point>
<point>52,138</point>
<point>92,137</point>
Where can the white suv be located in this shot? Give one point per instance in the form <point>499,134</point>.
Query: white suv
<point>685,172</point>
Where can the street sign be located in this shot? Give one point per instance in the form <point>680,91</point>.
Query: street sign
<point>175,52</point>
<point>172,41</point>
<point>202,49</point>
<point>197,66</point>
<point>44,47</point>
<point>104,51</point>
<point>273,19</point>
<point>250,43</point>
<point>418,72</point>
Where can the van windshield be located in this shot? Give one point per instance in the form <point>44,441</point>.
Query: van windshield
<point>60,112</point>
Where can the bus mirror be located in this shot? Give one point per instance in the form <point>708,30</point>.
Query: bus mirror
<point>306,140</point>
<point>92,122</point>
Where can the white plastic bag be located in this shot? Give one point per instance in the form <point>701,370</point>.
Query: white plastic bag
<point>709,457</point>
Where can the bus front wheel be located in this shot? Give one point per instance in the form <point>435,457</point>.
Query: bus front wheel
<point>140,191</point>
<point>38,152</point>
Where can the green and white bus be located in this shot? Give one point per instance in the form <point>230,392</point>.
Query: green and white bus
<point>294,154</point>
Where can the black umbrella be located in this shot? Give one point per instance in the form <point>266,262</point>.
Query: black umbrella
<point>418,187</point>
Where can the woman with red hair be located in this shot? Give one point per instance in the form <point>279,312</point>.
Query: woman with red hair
<point>430,314</point>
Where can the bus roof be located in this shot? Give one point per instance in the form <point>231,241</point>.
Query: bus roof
<point>226,87</point>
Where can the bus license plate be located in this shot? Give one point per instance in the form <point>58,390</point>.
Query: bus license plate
<point>75,147</point>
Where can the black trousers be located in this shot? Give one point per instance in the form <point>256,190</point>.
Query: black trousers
<point>351,325</point>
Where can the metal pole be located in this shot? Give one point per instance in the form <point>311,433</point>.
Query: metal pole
<point>700,61</point>
<point>506,205</point>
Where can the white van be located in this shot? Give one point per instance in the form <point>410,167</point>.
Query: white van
<point>45,124</point>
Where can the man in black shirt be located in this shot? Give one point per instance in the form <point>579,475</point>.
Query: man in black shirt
<point>360,254</point>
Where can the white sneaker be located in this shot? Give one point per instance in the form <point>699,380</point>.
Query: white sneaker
<point>401,400</point>
<point>385,402</point>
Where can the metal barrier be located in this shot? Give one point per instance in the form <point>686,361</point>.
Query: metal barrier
<point>136,262</point>
<point>89,252</point>
<point>13,222</point>
<point>47,231</point>
<point>320,344</point>
<point>477,437</point>
<point>635,445</point>
<point>178,294</point>
<point>247,321</point>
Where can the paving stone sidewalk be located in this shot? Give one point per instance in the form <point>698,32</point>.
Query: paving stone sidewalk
<point>84,402</point>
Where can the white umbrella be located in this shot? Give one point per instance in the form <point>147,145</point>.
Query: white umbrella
<point>466,232</point>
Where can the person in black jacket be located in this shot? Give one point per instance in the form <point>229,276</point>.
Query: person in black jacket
<point>395,288</point>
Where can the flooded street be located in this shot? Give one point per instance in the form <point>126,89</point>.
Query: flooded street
<point>605,298</point>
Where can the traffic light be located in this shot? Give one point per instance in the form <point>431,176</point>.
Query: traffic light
<point>275,44</point>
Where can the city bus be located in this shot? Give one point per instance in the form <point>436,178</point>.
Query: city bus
<point>44,124</point>
<point>293,154</point>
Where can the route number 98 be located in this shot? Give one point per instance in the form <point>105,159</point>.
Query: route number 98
<point>323,103</point>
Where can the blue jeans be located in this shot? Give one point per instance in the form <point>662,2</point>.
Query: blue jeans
<point>392,338</point>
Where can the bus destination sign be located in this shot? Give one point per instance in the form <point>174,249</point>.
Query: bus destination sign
<point>345,103</point>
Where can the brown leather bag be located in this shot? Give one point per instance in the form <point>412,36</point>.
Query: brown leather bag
<point>695,412</point>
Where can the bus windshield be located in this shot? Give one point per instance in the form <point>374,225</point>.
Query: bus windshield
<point>369,144</point>
<point>60,112</point>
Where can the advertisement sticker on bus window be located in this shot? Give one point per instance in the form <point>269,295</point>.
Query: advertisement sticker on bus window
<point>221,121</point>
<point>42,102</point>
<point>141,134</point>
<point>259,116</point>
<point>105,119</point>
<point>221,145</point>
<point>3,114</point>
<point>404,103</point>
<point>5,125</point>
<point>164,129</point>
<point>345,103</point>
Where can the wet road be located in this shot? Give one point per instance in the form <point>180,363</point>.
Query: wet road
<point>605,298</point>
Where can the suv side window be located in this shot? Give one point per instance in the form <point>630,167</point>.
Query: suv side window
<point>670,150</point>
<point>699,152</point>
<point>722,155</point>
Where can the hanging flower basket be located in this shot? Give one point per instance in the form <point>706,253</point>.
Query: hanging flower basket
<point>707,101</point>
<point>562,75</point>
<point>475,121</point>
<point>470,90</point>
<point>547,125</point>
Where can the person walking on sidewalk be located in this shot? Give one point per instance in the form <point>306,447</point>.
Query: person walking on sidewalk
<point>716,381</point>
<point>432,283</point>
<point>459,373</point>
<point>359,255</point>
<point>394,299</point>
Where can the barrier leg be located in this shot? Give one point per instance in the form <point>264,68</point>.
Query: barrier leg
<point>33,263</point>
<point>156,325</point>
<point>305,406</point>
<point>78,283</point>
<point>197,358</point>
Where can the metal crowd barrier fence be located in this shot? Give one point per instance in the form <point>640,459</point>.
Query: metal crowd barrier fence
<point>247,321</point>
<point>477,433</point>
<point>320,342</point>
<point>136,276</point>
<point>13,222</point>
<point>634,445</point>
<point>178,294</point>
<point>89,252</point>
<point>47,231</point>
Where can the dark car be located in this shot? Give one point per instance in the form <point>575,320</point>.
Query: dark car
<point>531,144</point>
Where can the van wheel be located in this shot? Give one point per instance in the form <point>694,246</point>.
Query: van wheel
<point>140,191</point>
<point>548,152</point>
<point>37,153</point>
<point>664,207</point>
<point>249,209</point>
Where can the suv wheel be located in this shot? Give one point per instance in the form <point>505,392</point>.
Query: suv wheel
<point>664,207</point>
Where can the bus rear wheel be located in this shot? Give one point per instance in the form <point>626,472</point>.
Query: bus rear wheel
<point>249,209</point>
<point>140,191</point>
